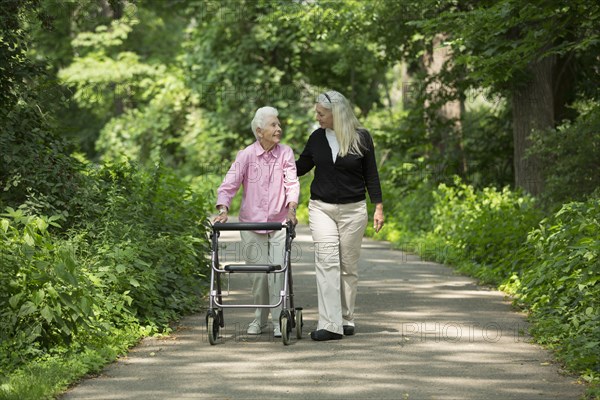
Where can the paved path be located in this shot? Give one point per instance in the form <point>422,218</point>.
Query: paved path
<point>422,333</point>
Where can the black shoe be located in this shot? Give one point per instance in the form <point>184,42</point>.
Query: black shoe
<point>323,334</point>
<point>348,330</point>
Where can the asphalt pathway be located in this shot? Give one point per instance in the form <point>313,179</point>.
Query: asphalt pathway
<point>422,332</point>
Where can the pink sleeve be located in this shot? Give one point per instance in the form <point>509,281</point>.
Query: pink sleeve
<point>290,177</point>
<point>232,181</point>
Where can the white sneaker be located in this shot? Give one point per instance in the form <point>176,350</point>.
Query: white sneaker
<point>276,331</point>
<point>254,328</point>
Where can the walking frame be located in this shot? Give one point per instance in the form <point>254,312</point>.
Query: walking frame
<point>290,318</point>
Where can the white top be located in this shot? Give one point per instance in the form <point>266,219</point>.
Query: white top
<point>333,143</point>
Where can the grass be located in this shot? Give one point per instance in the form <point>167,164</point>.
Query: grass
<point>50,375</point>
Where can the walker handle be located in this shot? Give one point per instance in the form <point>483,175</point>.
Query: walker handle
<point>249,226</point>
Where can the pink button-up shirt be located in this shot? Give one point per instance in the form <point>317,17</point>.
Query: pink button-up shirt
<point>270,183</point>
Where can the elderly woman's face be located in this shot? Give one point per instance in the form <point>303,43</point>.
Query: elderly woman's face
<point>270,134</point>
<point>324,117</point>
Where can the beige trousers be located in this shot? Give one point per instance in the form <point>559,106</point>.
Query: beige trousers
<point>265,248</point>
<point>337,231</point>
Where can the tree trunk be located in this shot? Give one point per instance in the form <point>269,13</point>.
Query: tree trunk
<point>533,109</point>
<point>113,9</point>
<point>449,141</point>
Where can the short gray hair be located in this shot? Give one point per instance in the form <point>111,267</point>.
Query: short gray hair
<point>261,115</point>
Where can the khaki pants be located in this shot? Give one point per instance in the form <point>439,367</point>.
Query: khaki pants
<point>337,231</point>
<point>265,248</point>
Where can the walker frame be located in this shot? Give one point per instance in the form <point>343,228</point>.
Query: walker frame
<point>290,317</point>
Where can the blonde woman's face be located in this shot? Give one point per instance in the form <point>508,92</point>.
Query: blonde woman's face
<point>324,117</point>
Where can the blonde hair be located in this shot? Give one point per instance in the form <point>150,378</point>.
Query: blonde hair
<point>345,124</point>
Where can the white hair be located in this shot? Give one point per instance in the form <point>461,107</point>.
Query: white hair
<point>261,115</point>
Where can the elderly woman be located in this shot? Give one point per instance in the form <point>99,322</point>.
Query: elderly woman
<point>343,155</point>
<point>267,171</point>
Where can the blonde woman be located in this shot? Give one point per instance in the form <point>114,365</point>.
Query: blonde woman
<point>343,155</point>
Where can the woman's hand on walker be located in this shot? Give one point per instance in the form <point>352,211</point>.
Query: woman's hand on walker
<point>222,217</point>
<point>292,215</point>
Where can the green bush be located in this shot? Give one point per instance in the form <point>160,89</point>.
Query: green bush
<point>570,155</point>
<point>551,266</point>
<point>36,171</point>
<point>148,241</point>
<point>560,283</point>
<point>482,228</point>
<point>407,215</point>
<point>135,257</point>
<point>46,298</point>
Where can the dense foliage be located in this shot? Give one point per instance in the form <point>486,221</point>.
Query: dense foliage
<point>92,256</point>
<point>481,228</point>
<point>557,278</point>
<point>131,262</point>
<point>135,257</point>
<point>551,266</point>
<point>570,154</point>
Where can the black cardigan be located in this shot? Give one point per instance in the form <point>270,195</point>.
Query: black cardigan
<point>348,179</point>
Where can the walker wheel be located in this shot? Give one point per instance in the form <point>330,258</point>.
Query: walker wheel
<point>284,323</point>
<point>212,327</point>
<point>299,323</point>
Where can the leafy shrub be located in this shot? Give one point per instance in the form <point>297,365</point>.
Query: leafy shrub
<point>552,267</point>
<point>570,154</point>
<point>135,257</point>
<point>482,228</point>
<point>488,148</point>
<point>46,297</point>
<point>560,283</point>
<point>407,214</point>
<point>148,241</point>
<point>35,170</point>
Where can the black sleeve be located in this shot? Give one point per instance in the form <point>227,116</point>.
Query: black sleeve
<point>305,162</point>
<point>370,174</point>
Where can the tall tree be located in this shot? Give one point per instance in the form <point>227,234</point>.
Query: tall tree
<point>523,51</point>
<point>445,103</point>
<point>246,54</point>
<point>536,55</point>
<point>35,170</point>
<point>125,76</point>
